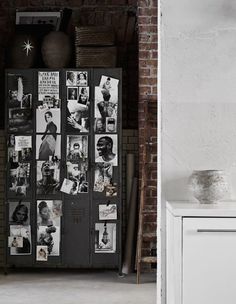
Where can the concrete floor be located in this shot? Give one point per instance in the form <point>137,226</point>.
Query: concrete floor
<point>70,287</point>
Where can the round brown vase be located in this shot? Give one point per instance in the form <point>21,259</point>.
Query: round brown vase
<point>56,50</point>
<point>23,51</point>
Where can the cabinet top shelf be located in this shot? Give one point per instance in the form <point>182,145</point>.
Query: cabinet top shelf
<point>192,209</point>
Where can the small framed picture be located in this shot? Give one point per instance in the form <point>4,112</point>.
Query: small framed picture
<point>42,253</point>
<point>105,238</point>
<point>82,78</point>
<point>71,78</point>
<point>72,93</point>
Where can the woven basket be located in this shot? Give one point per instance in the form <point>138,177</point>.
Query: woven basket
<point>94,35</point>
<point>96,56</point>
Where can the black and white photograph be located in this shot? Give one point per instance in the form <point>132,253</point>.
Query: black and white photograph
<point>82,78</point>
<point>102,176</point>
<point>25,233</point>
<point>19,149</point>
<point>15,241</point>
<point>106,149</point>
<point>107,212</point>
<point>106,103</point>
<point>49,236</point>
<point>77,117</point>
<point>71,78</point>
<point>20,121</point>
<point>72,93</point>
<point>99,125</point>
<point>77,148</point>
<point>77,173</point>
<point>17,95</point>
<point>48,121</point>
<point>105,238</point>
<point>111,190</point>
<point>19,213</point>
<point>83,95</point>
<point>48,177</point>
<point>110,125</point>
<point>108,83</point>
<point>19,179</point>
<point>48,103</point>
<point>42,253</point>
<point>46,212</point>
<point>48,85</point>
<point>48,146</point>
<point>74,187</point>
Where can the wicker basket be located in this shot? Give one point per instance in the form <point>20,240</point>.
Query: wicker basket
<point>94,35</point>
<point>96,56</point>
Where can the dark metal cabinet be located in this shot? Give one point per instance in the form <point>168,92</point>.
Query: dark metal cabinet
<point>79,223</point>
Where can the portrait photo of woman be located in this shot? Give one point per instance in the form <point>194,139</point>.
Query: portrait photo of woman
<point>82,78</point>
<point>19,213</point>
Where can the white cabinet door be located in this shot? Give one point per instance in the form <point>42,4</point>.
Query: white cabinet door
<point>209,261</point>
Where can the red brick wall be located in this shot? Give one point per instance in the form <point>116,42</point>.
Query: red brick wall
<point>147,25</point>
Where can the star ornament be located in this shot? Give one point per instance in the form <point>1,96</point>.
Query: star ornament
<point>27,46</point>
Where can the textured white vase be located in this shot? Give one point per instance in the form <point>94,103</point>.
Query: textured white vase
<point>208,186</point>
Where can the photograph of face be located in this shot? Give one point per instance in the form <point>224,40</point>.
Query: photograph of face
<point>108,212</point>
<point>41,253</point>
<point>23,232</point>
<point>99,125</point>
<point>72,93</point>
<point>20,120</point>
<point>83,95</point>
<point>102,176</point>
<point>49,236</point>
<point>48,121</point>
<point>82,78</point>
<point>106,103</point>
<point>48,177</point>
<point>46,212</point>
<point>71,78</point>
<point>105,238</point>
<point>17,96</point>
<point>110,125</point>
<point>19,179</point>
<point>19,213</point>
<point>48,85</point>
<point>77,173</point>
<point>77,117</point>
<point>48,146</point>
<point>77,148</point>
<point>106,149</point>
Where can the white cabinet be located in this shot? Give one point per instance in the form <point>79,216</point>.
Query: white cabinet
<point>201,253</point>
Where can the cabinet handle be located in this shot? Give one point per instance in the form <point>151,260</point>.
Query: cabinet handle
<point>216,230</point>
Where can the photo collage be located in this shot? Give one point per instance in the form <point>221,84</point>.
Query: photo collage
<point>40,172</point>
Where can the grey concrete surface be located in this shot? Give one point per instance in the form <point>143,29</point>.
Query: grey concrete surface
<point>74,287</point>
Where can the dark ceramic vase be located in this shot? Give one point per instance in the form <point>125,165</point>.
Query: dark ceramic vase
<point>56,50</point>
<point>23,51</point>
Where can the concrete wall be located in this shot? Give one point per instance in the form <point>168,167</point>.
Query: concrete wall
<point>198,91</point>
<point>198,69</point>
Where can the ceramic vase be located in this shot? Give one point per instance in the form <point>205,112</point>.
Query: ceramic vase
<point>208,186</point>
<point>56,50</point>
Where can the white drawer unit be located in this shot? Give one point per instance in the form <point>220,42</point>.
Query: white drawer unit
<point>201,253</point>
